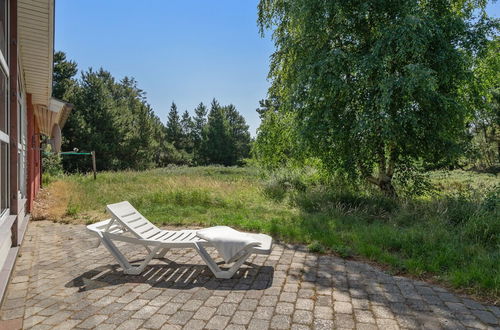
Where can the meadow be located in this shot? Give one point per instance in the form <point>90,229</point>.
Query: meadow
<point>450,236</point>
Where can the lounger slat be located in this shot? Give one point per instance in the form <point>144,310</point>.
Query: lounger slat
<point>142,224</point>
<point>164,232</point>
<point>135,220</point>
<point>128,213</point>
<point>172,234</point>
<point>143,232</point>
<point>187,236</point>
<point>156,233</point>
<point>176,237</point>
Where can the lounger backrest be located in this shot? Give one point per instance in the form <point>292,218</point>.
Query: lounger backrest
<point>129,217</point>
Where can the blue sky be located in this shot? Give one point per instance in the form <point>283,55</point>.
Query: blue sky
<point>187,51</point>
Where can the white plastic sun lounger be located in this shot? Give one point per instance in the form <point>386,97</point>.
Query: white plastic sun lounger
<point>128,225</point>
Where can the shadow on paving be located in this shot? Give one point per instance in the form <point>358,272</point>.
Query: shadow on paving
<point>176,276</point>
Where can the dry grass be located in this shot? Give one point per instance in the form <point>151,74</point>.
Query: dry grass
<point>52,202</point>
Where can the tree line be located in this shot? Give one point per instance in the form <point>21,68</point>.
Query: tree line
<point>114,119</point>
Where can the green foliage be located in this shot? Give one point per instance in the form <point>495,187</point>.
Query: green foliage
<point>63,84</point>
<point>199,123</point>
<point>225,137</point>
<point>277,143</point>
<point>173,129</point>
<point>187,138</point>
<point>51,166</point>
<point>316,247</point>
<point>366,86</point>
<point>51,163</point>
<point>484,98</point>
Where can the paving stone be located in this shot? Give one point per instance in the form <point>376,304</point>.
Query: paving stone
<point>214,301</point>
<point>15,313</point>
<point>204,313</point>
<point>241,317</point>
<point>70,324</point>
<point>344,321</point>
<point>257,324</point>
<point>321,324</point>
<point>32,321</point>
<point>284,308</point>
<point>364,316</point>
<point>57,318</point>
<point>342,307</point>
<point>169,308</point>
<point>234,297</point>
<point>160,301</point>
<point>194,325</point>
<point>106,326</point>
<point>145,312</point>
<point>281,322</point>
<point>307,304</point>
<point>235,327</point>
<point>288,297</point>
<point>92,321</point>
<point>131,324</point>
<point>486,317</point>
<point>218,322</point>
<point>366,326</point>
<point>388,324</point>
<point>156,321</point>
<point>180,317</point>
<point>118,317</point>
<point>268,301</point>
<point>248,304</point>
<point>303,317</point>
<point>192,305</point>
<point>226,309</point>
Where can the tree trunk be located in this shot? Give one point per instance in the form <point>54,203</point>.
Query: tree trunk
<point>385,173</point>
<point>387,187</point>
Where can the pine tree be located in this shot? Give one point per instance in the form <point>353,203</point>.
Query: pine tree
<point>173,128</point>
<point>63,82</point>
<point>239,147</point>
<point>216,140</point>
<point>96,114</point>
<point>199,123</point>
<point>187,127</point>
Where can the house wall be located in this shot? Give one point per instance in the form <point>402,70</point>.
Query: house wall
<point>34,165</point>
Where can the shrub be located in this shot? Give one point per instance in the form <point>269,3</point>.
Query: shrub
<point>51,163</point>
<point>316,247</point>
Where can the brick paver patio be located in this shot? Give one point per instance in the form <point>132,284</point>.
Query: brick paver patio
<point>61,281</point>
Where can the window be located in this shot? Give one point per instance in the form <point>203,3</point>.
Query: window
<point>3,27</point>
<point>4,144</point>
<point>4,177</point>
<point>4,110</point>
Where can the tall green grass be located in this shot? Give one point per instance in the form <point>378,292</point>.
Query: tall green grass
<point>451,235</point>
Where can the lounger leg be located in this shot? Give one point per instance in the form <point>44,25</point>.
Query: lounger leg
<point>97,243</point>
<point>127,267</point>
<point>115,252</point>
<point>136,270</point>
<point>162,253</point>
<point>215,268</point>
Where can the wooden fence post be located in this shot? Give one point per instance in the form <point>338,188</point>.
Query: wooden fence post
<point>93,164</point>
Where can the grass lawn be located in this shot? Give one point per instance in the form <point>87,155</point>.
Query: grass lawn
<point>452,237</point>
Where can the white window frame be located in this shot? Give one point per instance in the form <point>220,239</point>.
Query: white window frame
<point>4,136</point>
<point>22,140</point>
